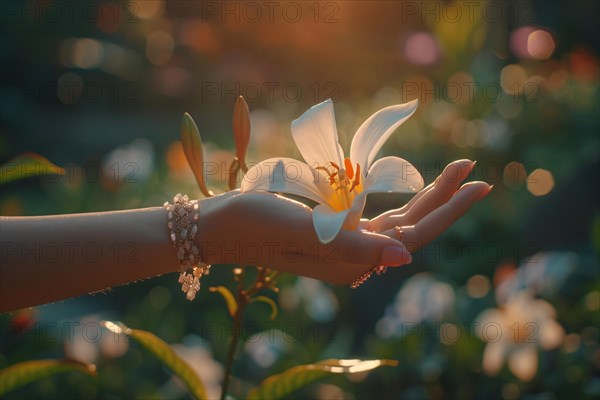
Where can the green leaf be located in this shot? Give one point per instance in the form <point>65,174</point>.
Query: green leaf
<point>269,301</point>
<point>165,354</point>
<point>26,372</point>
<point>27,165</point>
<point>192,147</point>
<point>232,305</point>
<point>280,385</point>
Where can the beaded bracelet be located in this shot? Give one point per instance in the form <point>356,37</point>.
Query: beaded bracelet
<point>183,218</point>
<point>379,270</point>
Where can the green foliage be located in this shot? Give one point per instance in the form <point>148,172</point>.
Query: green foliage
<point>27,165</point>
<point>26,372</point>
<point>270,302</point>
<point>229,298</point>
<point>280,385</point>
<point>166,355</point>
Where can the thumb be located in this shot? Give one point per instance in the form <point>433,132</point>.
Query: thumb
<point>369,248</point>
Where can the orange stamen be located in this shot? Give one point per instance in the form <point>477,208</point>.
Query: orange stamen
<point>356,181</point>
<point>332,178</point>
<point>349,170</point>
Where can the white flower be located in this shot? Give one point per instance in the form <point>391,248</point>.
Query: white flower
<point>266,347</point>
<point>423,298</point>
<point>515,331</point>
<point>87,342</point>
<point>543,273</point>
<point>200,358</point>
<point>339,184</point>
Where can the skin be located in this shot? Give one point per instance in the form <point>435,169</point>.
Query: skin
<point>50,258</point>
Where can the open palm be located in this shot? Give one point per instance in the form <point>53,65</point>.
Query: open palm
<point>273,231</point>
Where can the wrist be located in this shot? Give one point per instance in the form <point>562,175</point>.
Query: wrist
<point>208,229</point>
<point>217,227</point>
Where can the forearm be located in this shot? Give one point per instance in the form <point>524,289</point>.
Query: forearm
<point>50,258</point>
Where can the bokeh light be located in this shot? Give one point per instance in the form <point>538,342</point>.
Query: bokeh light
<point>592,301</point>
<point>514,175</point>
<point>82,53</point>
<point>478,286</point>
<point>571,343</point>
<point>540,44</point>
<point>146,9</point>
<point>513,79</point>
<point>421,49</point>
<point>159,47</point>
<point>540,182</point>
<point>519,39</point>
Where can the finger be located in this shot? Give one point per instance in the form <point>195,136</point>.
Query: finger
<point>432,225</point>
<point>416,198</point>
<point>279,234</point>
<point>368,248</point>
<point>349,256</point>
<point>444,188</point>
<point>381,222</point>
<point>378,223</point>
<point>361,251</point>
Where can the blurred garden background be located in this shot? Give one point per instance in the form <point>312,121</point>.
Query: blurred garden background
<point>504,305</point>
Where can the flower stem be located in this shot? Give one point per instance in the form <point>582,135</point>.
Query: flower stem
<point>243,298</point>
<point>237,331</point>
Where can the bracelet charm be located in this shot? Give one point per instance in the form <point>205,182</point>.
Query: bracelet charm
<point>183,216</point>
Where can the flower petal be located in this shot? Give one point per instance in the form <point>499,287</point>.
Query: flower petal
<point>328,223</point>
<point>373,133</point>
<point>356,210</point>
<point>389,174</point>
<point>523,362</point>
<point>489,317</point>
<point>287,175</point>
<point>316,135</point>
<point>393,174</point>
<point>551,334</point>
<point>493,357</point>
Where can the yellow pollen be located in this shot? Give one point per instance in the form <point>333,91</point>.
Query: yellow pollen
<point>346,183</point>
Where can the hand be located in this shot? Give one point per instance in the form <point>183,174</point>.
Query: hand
<point>434,209</point>
<point>264,229</point>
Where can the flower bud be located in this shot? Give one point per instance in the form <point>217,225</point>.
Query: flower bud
<point>241,130</point>
<point>192,147</point>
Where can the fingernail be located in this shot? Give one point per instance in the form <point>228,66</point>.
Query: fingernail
<point>485,193</point>
<point>395,256</point>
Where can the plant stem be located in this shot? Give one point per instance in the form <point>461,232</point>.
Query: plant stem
<point>237,331</point>
<point>243,297</point>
